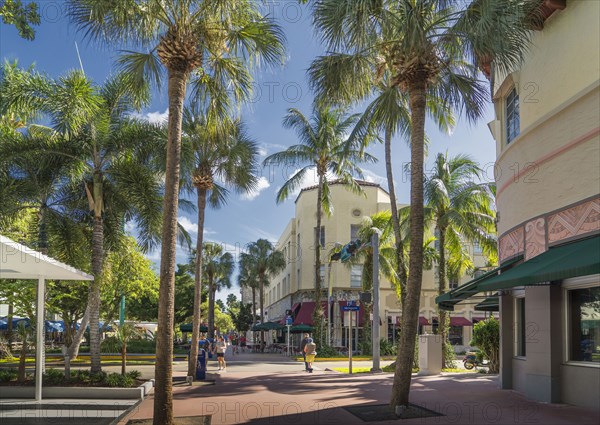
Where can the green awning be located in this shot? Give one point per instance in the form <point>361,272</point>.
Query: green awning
<point>187,327</point>
<point>267,326</point>
<point>299,329</point>
<point>489,304</point>
<point>448,300</point>
<point>579,258</point>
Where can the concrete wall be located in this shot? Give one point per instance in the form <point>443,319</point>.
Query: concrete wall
<point>580,385</point>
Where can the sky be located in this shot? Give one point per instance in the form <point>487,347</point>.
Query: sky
<point>245,218</point>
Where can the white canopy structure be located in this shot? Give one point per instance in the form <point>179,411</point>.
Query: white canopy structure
<point>19,262</point>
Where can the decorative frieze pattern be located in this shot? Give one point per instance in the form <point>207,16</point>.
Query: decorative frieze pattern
<point>535,236</point>
<point>574,221</point>
<point>511,244</point>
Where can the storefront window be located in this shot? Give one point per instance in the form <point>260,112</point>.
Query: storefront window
<point>356,276</point>
<point>584,325</point>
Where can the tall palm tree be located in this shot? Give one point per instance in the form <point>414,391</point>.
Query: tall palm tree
<point>331,143</point>
<point>217,270</point>
<point>437,50</point>
<point>247,279</point>
<point>266,262</point>
<point>462,210</point>
<point>111,154</point>
<point>217,154</point>
<point>211,42</point>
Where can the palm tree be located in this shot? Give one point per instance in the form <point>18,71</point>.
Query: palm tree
<point>462,210</point>
<point>265,262</point>
<point>211,42</point>
<point>112,155</point>
<point>217,270</point>
<point>326,147</point>
<point>436,49</point>
<point>224,157</point>
<point>247,279</point>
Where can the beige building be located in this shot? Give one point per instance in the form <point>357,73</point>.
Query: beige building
<point>548,185</point>
<point>294,287</point>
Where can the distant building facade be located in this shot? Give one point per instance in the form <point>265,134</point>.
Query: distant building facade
<point>294,287</point>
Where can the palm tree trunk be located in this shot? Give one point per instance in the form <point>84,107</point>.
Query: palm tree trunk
<point>261,296</point>
<point>410,312</point>
<point>318,313</point>
<point>198,284</point>
<point>211,308</point>
<point>442,315</point>
<point>42,230</point>
<point>253,306</point>
<point>73,350</point>
<point>9,328</point>
<point>21,374</point>
<point>94,293</point>
<point>163,395</point>
<point>395,219</point>
<point>123,356</point>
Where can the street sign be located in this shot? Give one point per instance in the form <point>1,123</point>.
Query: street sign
<point>289,320</point>
<point>350,308</point>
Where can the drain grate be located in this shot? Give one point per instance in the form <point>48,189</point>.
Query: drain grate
<point>383,412</point>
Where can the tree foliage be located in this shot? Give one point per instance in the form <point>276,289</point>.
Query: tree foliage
<point>486,336</point>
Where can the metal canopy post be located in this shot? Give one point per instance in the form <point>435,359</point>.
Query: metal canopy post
<point>39,343</point>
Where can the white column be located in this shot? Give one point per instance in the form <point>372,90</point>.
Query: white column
<point>39,345</point>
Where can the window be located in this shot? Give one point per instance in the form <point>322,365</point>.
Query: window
<point>453,284</point>
<point>436,242</point>
<point>322,236</point>
<point>278,291</point>
<point>354,228</point>
<point>299,283</point>
<point>476,248</point>
<point>584,324</point>
<point>513,121</point>
<point>298,247</point>
<point>356,276</point>
<point>322,273</point>
<point>520,327</point>
<point>455,335</point>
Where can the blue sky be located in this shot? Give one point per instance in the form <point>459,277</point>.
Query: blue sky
<point>244,218</point>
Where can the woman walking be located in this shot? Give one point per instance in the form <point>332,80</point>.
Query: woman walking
<point>220,348</point>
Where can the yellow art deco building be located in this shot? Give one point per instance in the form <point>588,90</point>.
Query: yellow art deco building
<point>294,287</point>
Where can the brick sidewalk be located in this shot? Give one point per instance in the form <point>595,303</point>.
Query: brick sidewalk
<point>320,398</point>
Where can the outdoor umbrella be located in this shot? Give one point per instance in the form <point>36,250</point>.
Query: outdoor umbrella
<point>296,329</point>
<point>187,327</point>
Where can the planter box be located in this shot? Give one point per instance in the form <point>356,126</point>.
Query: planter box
<point>100,393</point>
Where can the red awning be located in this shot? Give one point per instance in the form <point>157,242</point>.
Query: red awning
<point>460,321</point>
<point>304,315</point>
<point>422,321</point>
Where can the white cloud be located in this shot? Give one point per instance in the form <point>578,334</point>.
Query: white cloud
<point>130,227</point>
<point>188,225</point>
<point>261,185</point>
<point>156,117</point>
<point>372,177</point>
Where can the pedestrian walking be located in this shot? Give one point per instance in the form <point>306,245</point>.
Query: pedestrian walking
<point>302,346</point>
<point>243,343</point>
<point>220,348</point>
<point>310,350</point>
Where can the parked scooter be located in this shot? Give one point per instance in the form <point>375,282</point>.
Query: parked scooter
<point>471,360</point>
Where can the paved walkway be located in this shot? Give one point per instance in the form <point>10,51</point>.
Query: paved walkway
<point>271,389</point>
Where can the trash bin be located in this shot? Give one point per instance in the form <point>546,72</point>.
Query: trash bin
<point>201,365</point>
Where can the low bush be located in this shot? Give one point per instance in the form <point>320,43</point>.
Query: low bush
<point>53,377</point>
<point>7,375</point>
<point>134,374</point>
<point>387,348</point>
<point>117,380</point>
